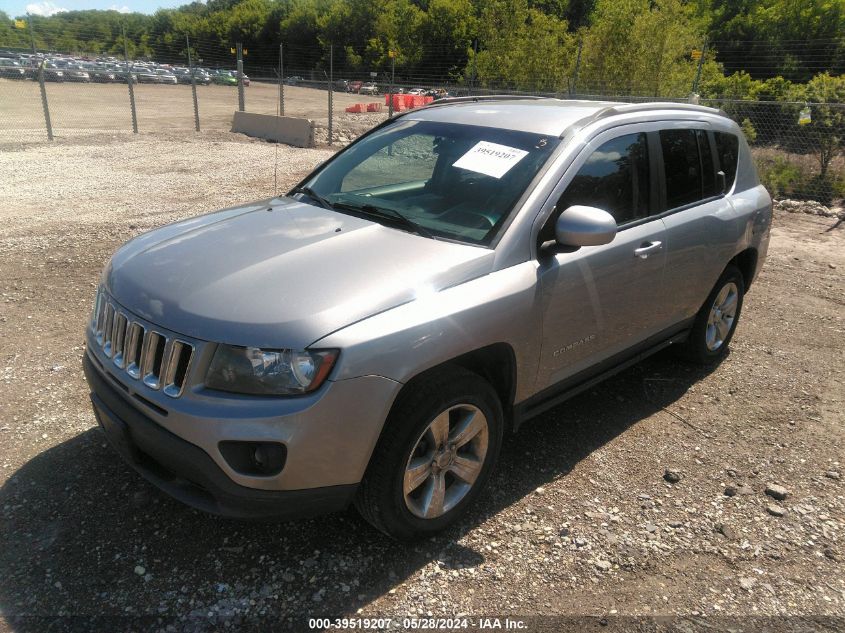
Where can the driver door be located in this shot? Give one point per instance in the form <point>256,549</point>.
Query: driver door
<point>598,301</point>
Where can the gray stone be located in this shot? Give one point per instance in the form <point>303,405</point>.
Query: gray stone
<point>777,492</point>
<point>775,510</point>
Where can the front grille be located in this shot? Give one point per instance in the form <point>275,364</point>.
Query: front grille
<point>156,359</point>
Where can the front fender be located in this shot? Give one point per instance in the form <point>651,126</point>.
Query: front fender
<point>438,326</point>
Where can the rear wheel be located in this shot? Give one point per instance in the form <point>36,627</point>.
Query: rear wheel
<point>716,322</point>
<point>438,449</point>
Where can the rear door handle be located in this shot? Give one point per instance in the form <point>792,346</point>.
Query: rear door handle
<point>647,248</point>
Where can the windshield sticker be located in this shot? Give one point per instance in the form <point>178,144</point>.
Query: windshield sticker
<point>490,159</point>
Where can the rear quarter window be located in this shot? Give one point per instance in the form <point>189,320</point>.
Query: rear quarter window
<point>727,147</point>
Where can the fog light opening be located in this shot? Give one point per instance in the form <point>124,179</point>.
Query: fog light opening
<point>263,459</point>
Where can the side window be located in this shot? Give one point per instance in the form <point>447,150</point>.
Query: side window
<point>708,171</point>
<point>615,178</point>
<point>727,148</point>
<point>682,167</point>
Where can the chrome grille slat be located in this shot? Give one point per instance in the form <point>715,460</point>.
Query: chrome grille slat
<point>133,356</point>
<point>157,360</point>
<point>108,326</point>
<point>174,379</point>
<point>119,338</point>
<point>150,369</point>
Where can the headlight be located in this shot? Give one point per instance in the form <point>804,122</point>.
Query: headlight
<point>268,372</point>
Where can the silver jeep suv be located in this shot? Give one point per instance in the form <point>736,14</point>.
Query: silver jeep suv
<point>373,336</point>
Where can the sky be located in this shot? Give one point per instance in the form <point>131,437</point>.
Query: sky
<point>49,7</point>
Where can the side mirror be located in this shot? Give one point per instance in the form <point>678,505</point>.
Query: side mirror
<point>584,226</point>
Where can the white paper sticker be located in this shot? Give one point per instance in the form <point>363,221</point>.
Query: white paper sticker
<point>491,159</point>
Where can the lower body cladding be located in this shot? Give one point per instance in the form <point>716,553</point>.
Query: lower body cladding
<point>315,457</point>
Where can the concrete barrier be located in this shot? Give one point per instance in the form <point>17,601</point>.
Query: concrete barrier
<point>282,129</point>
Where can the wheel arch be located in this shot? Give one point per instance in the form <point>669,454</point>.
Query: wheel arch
<point>495,363</point>
<point>746,261</point>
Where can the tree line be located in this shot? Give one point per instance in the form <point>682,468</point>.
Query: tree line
<point>620,47</point>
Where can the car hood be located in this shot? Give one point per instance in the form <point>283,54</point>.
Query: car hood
<point>280,273</point>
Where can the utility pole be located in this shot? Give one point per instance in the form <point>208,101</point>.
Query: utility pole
<point>193,84</point>
<point>129,81</point>
<point>240,76</point>
<point>31,32</point>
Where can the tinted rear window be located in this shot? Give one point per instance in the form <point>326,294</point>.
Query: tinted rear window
<point>727,147</point>
<point>682,166</point>
<point>708,169</point>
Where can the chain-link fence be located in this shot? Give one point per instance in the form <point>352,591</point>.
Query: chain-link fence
<point>189,85</point>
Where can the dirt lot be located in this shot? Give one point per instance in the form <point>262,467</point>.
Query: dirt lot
<point>78,109</point>
<point>579,519</point>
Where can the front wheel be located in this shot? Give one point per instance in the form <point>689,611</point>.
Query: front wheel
<point>437,451</point>
<point>716,321</point>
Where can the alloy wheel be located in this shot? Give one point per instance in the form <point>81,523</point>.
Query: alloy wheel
<point>446,461</point>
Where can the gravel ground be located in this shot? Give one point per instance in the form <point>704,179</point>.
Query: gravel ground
<point>709,495</point>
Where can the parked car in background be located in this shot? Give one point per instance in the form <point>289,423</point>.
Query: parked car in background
<point>224,78</point>
<point>234,74</point>
<point>355,86</point>
<point>369,88</point>
<point>419,92</point>
<point>520,252</point>
<point>11,69</point>
<point>341,85</point>
<point>76,73</point>
<point>101,74</point>
<point>51,72</point>
<point>183,76</point>
<point>165,76</point>
<point>294,80</point>
<point>145,75</point>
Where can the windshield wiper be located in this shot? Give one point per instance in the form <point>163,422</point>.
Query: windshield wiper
<point>392,214</point>
<point>308,191</point>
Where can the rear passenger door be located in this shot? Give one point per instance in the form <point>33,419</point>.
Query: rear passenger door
<point>700,221</point>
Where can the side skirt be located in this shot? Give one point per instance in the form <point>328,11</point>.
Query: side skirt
<point>588,378</point>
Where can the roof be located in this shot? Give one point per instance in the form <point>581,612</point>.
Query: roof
<point>549,117</point>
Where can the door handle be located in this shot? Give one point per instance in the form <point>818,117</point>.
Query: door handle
<point>647,248</point>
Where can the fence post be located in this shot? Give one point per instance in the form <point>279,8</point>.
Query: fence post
<point>392,83</point>
<point>281,81</point>
<point>331,88</point>
<point>193,84</point>
<point>44,101</point>
<point>474,55</point>
<point>698,70</point>
<point>130,80</point>
<point>240,77</point>
<point>574,90</point>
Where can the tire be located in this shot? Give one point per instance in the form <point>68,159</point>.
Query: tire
<point>708,341</point>
<point>461,400</point>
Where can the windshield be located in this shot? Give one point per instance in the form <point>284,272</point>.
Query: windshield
<point>454,181</point>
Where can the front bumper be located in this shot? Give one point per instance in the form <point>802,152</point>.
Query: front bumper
<point>187,473</point>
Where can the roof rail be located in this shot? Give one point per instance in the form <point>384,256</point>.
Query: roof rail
<point>477,98</point>
<point>627,108</point>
